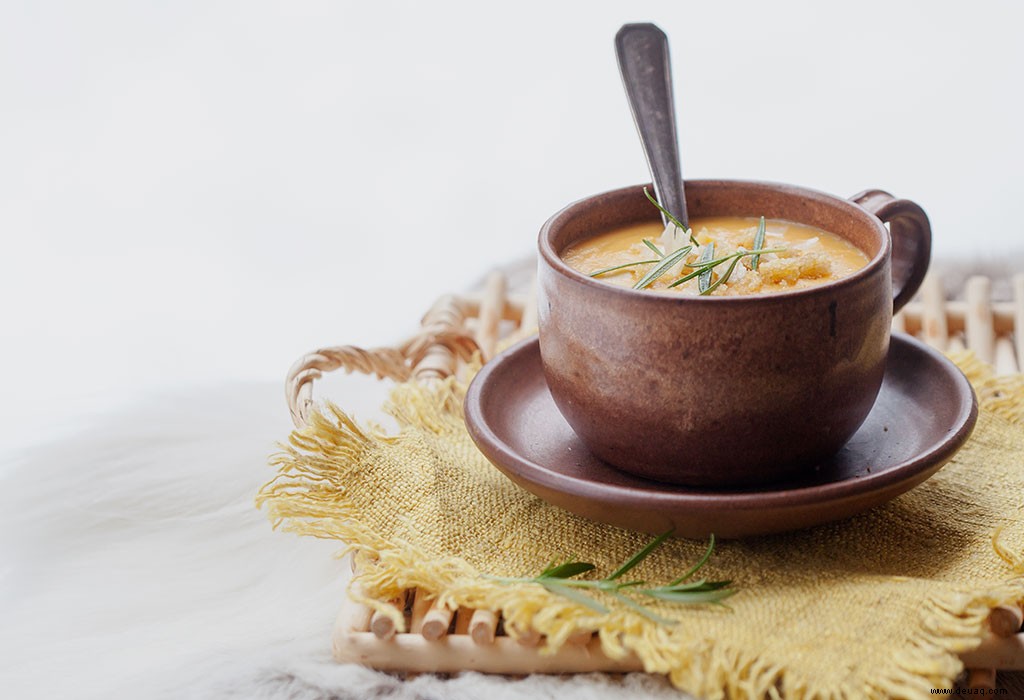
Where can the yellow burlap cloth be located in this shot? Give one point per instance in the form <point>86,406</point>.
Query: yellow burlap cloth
<point>875,606</point>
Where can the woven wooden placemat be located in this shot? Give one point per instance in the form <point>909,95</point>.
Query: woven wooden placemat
<point>457,326</point>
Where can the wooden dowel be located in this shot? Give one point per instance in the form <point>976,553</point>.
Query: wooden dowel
<point>515,305</point>
<point>529,638</point>
<point>911,315</point>
<point>382,626</point>
<point>482,626</point>
<point>436,622</point>
<point>1018,318</point>
<point>420,605</point>
<point>1005,620</point>
<point>491,307</point>
<point>1004,653</point>
<point>1005,361</point>
<point>981,678</point>
<point>580,637</point>
<point>530,308</point>
<point>934,329</point>
<point>978,328</point>
<point>899,323</point>
<point>528,324</point>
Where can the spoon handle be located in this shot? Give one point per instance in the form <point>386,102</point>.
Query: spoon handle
<point>642,52</point>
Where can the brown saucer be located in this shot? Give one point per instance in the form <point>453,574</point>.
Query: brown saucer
<point>925,411</point>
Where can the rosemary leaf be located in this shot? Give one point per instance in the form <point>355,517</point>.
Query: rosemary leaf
<point>758,244</point>
<point>726,258</point>
<point>686,277</point>
<point>620,267</point>
<point>730,256</point>
<point>706,255</point>
<point>693,586</point>
<point>574,595</point>
<point>649,614</point>
<point>704,264</point>
<point>722,278</point>
<point>712,596</point>
<point>700,564</point>
<point>665,264</point>
<point>670,217</point>
<point>701,269</point>
<point>702,585</point>
<point>567,570</point>
<point>640,556</point>
<point>656,249</point>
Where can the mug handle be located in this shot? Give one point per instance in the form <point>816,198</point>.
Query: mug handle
<point>911,234</point>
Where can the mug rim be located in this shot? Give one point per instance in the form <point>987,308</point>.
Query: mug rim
<point>557,264</point>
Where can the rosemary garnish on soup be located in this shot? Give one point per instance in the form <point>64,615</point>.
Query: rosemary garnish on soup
<point>721,255</point>
<point>706,266</point>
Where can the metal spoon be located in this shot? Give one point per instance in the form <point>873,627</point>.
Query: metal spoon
<point>642,52</point>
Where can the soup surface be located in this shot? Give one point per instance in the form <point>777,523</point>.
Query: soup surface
<point>800,256</point>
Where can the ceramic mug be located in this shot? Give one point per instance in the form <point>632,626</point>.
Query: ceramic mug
<point>733,390</point>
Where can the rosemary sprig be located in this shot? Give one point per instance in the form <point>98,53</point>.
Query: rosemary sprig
<point>686,278</point>
<point>670,217</point>
<point>701,267</point>
<point>613,268</point>
<point>721,278</point>
<point>663,266</point>
<point>706,256</point>
<point>758,243</point>
<point>656,249</point>
<point>560,579</point>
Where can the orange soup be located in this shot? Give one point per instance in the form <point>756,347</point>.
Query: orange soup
<point>720,259</point>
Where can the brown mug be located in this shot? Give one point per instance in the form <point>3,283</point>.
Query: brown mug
<point>733,390</point>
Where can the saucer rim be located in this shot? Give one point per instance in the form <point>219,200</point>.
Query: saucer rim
<point>522,469</point>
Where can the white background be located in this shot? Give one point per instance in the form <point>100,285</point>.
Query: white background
<point>194,192</point>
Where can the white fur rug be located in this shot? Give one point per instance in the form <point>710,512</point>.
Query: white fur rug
<point>134,565</point>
